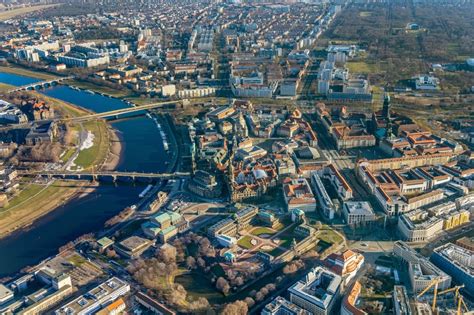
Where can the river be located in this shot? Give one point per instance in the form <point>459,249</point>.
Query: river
<point>142,151</point>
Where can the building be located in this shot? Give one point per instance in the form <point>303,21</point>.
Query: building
<point>48,289</point>
<point>339,183</point>
<point>324,201</point>
<point>426,82</point>
<point>317,292</point>
<point>152,304</point>
<point>232,225</point>
<point>466,242</point>
<point>358,212</point>
<point>114,308</point>
<point>226,241</point>
<point>164,225</point>
<point>349,302</point>
<point>401,303</point>
<point>132,247</point>
<point>97,298</point>
<point>281,306</point>
<point>456,261</point>
<point>298,195</point>
<point>421,271</point>
<point>417,226</point>
<point>345,265</point>
<point>205,185</point>
<point>6,294</point>
<point>104,243</point>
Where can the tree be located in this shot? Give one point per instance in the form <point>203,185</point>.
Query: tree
<point>201,304</point>
<point>167,254</point>
<point>250,302</point>
<point>201,262</point>
<point>293,267</point>
<point>223,285</point>
<point>236,308</point>
<point>190,262</point>
<point>110,253</point>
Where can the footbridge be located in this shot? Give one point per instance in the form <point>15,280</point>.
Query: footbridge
<point>108,176</point>
<point>40,85</point>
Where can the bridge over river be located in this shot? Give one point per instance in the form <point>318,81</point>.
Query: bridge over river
<point>111,176</point>
<point>40,85</point>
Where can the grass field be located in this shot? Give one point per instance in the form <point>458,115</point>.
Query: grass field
<point>27,192</point>
<point>34,202</point>
<point>245,242</point>
<point>328,235</point>
<point>100,89</point>
<point>262,230</point>
<point>5,87</point>
<point>27,73</point>
<point>97,154</point>
<point>6,15</point>
<point>362,67</point>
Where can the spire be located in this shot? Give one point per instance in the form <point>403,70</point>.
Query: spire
<point>386,106</point>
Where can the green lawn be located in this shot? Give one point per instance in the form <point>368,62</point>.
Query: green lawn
<point>329,235</point>
<point>5,87</point>
<point>67,155</point>
<point>27,73</point>
<point>245,242</point>
<point>362,67</point>
<point>98,152</point>
<point>76,260</point>
<point>26,193</point>
<point>262,230</point>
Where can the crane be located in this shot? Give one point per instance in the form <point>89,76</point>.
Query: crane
<point>461,301</point>
<point>434,283</point>
<point>455,289</point>
<point>458,299</point>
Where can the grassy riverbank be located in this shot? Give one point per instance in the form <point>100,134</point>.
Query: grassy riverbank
<point>10,14</point>
<point>35,200</point>
<point>27,73</point>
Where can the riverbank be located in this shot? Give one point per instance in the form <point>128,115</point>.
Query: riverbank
<point>12,13</point>
<point>37,200</point>
<point>27,73</point>
<point>21,215</point>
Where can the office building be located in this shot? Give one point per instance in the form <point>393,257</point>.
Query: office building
<point>317,292</point>
<point>421,271</point>
<point>456,261</point>
<point>358,212</point>
<point>96,299</point>
<point>281,306</point>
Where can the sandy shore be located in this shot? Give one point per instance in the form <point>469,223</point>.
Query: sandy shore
<point>115,151</point>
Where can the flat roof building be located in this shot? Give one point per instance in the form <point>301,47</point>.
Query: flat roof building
<point>317,291</point>
<point>358,212</point>
<point>456,261</point>
<point>421,271</point>
<point>401,303</point>
<point>97,298</point>
<point>281,306</point>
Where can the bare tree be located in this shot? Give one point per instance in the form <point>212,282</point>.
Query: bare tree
<point>250,302</point>
<point>223,285</point>
<point>190,262</point>
<point>236,308</point>
<point>167,254</point>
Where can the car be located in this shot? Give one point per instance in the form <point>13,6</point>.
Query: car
<point>364,244</point>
